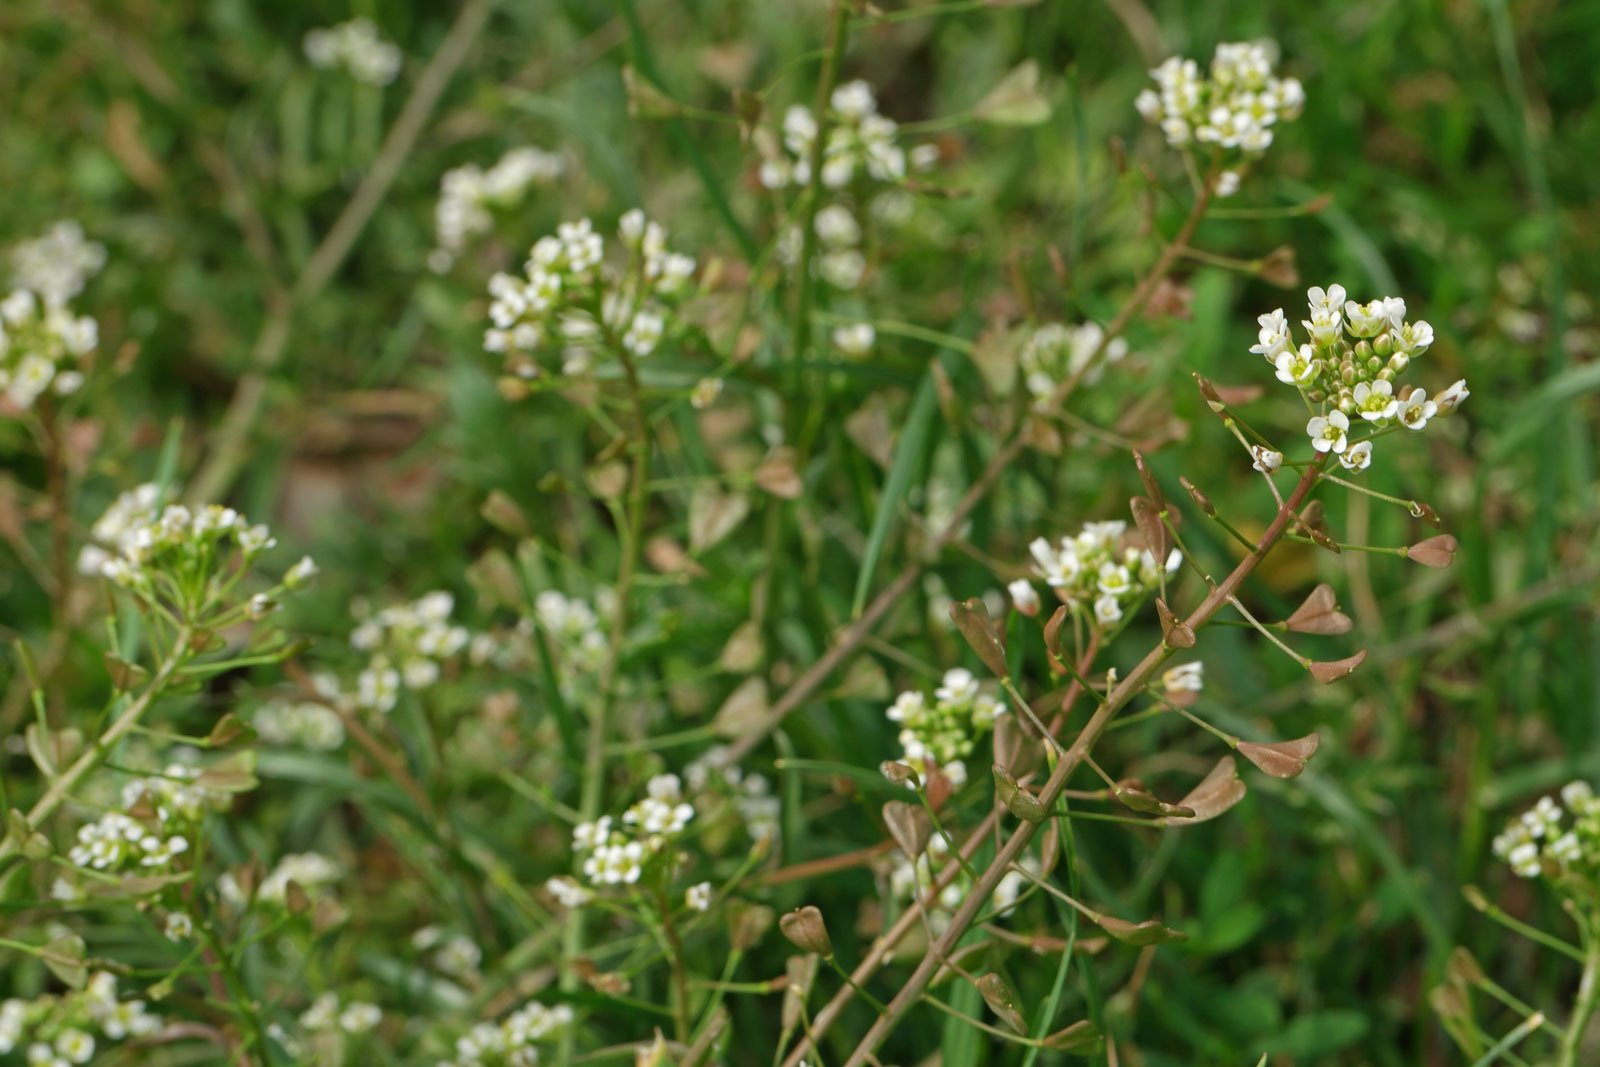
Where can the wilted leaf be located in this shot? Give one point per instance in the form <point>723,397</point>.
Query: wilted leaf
<point>1148,932</point>
<point>1319,614</point>
<point>1175,633</point>
<point>806,930</point>
<point>972,620</point>
<point>1217,792</point>
<point>909,825</point>
<point>777,475</point>
<point>713,515</point>
<point>1333,670</point>
<point>1016,100</point>
<point>1017,800</point>
<point>64,957</point>
<point>1002,1000</point>
<point>1438,551</point>
<point>744,708</point>
<point>1281,759</point>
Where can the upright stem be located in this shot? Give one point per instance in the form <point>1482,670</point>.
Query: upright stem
<point>977,899</point>
<point>632,532</point>
<point>1588,1000</point>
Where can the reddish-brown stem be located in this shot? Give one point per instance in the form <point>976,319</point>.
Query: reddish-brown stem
<point>978,897</point>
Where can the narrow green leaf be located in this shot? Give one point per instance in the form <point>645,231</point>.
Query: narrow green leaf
<point>911,454</point>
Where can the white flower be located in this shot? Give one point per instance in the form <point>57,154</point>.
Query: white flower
<point>698,897</point>
<point>1189,677</point>
<point>1358,457</point>
<point>1416,409</point>
<point>1107,610</point>
<point>837,227</point>
<point>1331,299</point>
<point>568,893</point>
<point>1265,460</point>
<point>1024,597</point>
<point>1327,432</point>
<point>1413,338</point>
<point>855,340</point>
<point>179,926</point>
<point>853,101</point>
<point>960,687</point>
<point>1375,400</point>
<point>359,1017</point>
<point>591,835</point>
<point>1448,400</point>
<point>1295,366</point>
<point>1366,320</point>
<point>1273,336</point>
<point>300,573</point>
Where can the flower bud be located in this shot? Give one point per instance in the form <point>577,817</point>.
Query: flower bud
<point>1363,351</point>
<point>1399,362</point>
<point>1024,597</point>
<point>1384,344</point>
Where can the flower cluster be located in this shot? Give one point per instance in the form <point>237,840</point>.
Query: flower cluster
<point>1349,368</point>
<point>42,347</point>
<point>1536,843</point>
<point>570,299</point>
<point>468,196</point>
<point>311,871</point>
<point>455,954</point>
<point>356,47</point>
<point>408,644</point>
<point>751,794</point>
<point>573,627</point>
<point>616,851</point>
<point>1096,568</point>
<point>58,1031</point>
<point>910,880</point>
<point>302,724</point>
<point>513,1041</point>
<point>57,265</point>
<point>186,561</point>
<point>1055,353</point>
<point>326,1013</point>
<point>159,815</point>
<point>944,731</point>
<point>1236,107</point>
<point>839,261</point>
<point>860,141</point>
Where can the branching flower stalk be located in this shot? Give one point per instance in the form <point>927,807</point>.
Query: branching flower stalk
<point>62,786</point>
<point>1011,852</point>
<point>805,686</point>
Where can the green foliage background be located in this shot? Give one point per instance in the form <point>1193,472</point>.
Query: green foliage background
<point>1456,141</point>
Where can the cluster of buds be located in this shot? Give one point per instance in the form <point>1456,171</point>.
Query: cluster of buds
<point>1538,844</point>
<point>59,1031</point>
<point>1236,107</point>
<point>513,1041</point>
<point>617,851</point>
<point>407,645</point>
<point>42,348</point>
<point>1348,370</point>
<point>357,48</point>
<point>944,731</point>
<point>860,142</point>
<point>1095,568</point>
<point>1054,353</point>
<point>469,195</point>
<point>57,265</point>
<point>187,563</point>
<point>569,299</point>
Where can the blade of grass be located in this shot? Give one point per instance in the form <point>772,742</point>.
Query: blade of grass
<point>911,455</point>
